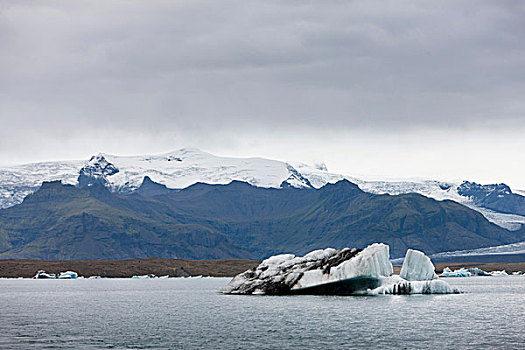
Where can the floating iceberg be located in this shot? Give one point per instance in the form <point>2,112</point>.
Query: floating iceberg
<point>41,274</point>
<point>517,273</point>
<point>68,275</point>
<point>447,272</point>
<point>339,272</point>
<point>476,271</point>
<point>143,277</point>
<point>499,273</point>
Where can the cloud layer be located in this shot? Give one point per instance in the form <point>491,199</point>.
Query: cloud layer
<point>244,77</point>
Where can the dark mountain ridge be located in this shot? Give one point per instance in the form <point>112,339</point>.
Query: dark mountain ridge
<point>236,220</point>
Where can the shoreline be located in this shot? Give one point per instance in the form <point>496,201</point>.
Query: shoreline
<point>125,268</point>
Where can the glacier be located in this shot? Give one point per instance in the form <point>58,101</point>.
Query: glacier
<point>184,167</point>
<point>340,272</point>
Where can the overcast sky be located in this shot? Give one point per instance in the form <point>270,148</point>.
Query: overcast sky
<point>374,89</point>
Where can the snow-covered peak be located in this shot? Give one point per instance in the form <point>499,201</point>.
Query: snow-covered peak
<point>184,167</point>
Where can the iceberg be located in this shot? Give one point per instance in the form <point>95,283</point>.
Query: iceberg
<point>143,277</point>
<point>417,267</point>
<point>462,272</point>
<point>340,272</point>
<point>69,275</point>
<point>476,271</point>
<point>499,273</point>
<point>517,273</point>
<point>41,274</point>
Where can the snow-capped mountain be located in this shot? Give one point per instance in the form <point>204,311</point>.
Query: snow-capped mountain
<point>184,167</point>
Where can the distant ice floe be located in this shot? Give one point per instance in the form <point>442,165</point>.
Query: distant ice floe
<point>447,272</point>
<point>340,272</point>
<point>474,271</point>
<point>499,273</point>
<point>41,274</point>
<point>68,275</point>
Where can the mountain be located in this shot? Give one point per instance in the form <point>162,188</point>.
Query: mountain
<point>185,167</point>
<point>236,220</point>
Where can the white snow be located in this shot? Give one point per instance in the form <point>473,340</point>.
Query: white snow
<point>417,267</point>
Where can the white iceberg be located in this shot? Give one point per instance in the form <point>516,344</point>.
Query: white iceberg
<point>417,267</point>
<point>41,274</point>
<point>339,272</point>
<point>68,275</point>
<point>143,277</point>
<point>462,272</point>
<point>499,273</point>
<point>476,271</point>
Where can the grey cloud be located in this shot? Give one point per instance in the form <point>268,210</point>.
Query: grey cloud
<point>184,69</point>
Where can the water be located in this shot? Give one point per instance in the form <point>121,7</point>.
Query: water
<point>190,314</point>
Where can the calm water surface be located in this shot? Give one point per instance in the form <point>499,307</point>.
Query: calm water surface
<point>190,314</point>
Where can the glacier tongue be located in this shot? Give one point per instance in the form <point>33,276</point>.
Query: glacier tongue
<point>417,267</point>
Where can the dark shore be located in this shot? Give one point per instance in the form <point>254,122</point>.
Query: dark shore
<point>27,268</point>
<point>128,267</point>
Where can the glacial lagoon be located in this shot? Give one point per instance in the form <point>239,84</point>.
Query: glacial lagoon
<point>190,313</point>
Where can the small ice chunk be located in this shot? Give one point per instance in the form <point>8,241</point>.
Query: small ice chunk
<point>499,273</point>
<point>68,275</point>
<point>41,274</point>
<point>476,271</point>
